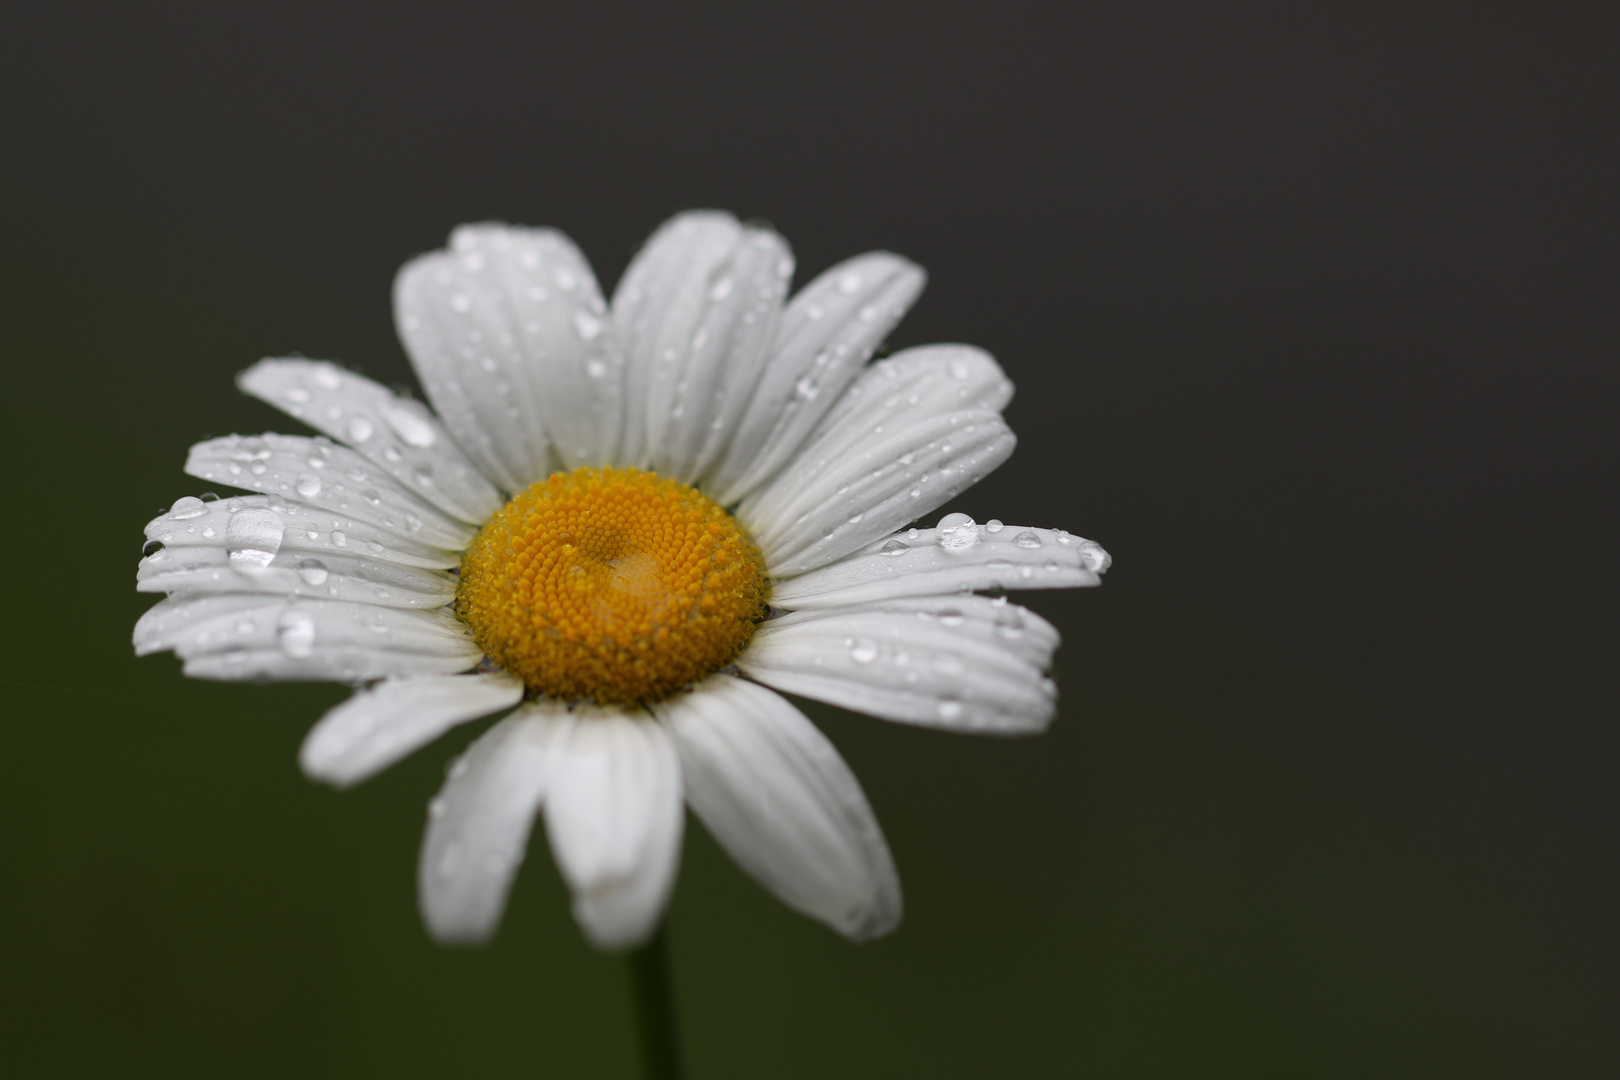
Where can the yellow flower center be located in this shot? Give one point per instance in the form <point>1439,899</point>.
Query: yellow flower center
<point>615,585</point>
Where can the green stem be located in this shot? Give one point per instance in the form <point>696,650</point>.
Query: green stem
<point>653,1000</point>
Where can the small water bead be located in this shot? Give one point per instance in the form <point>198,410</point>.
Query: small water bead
<point>1009,624</point>
<point>957,532</point>
<point>339,537</point>
<point>295,633</point>
<point>1093,557</point>
<point>150,548</point>
<point>1052,566</point>
<point>308,485</point>
<point>894,547</point>
<point>312,572</point>
<point>1027,539</point>
<point>863,650</point>
<point>296,394</point>
<point>207,497</point>
<point>188,507</point>
<point>912,534</point>
<point>951,617</point>
<point>994,525</point>
<point>950,709</point>
<point>849,283</point>
<point>210,532</point>
<point>856,519</point>
<point>360,429</point>
<point>596,367</point>
<point>327,378</point>
<point>586,325</point>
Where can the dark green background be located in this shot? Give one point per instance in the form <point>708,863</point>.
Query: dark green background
<point>1311,314</point>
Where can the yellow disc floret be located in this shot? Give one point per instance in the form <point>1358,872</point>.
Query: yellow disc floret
<point>613,585</point>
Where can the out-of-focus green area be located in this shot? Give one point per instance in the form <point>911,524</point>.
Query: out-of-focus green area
<point>1298,336</point>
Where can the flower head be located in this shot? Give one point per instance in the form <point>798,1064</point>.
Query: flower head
<point>628,526</point>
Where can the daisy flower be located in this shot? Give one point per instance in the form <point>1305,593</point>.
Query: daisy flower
<point>631,527</point>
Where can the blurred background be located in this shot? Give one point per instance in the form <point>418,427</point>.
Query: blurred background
<point>1311,311</point>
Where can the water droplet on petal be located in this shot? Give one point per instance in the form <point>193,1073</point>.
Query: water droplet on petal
<point>312,571</point>
<point>957,532</point>
<point>188,507</point>
<point>863,650</point>
<point>950,709</point>
<point>951,617</point>
<point>360,429</point>
<point>849,283</point>
<point>586,325</point>
<point>409,424</point>
<point>253,537</point>
<point>295,633</point>
<point>1027,539</point>
<point>150,548</point>
<point>894,547</point>
<point>308,485</point>
<point>994,525</point>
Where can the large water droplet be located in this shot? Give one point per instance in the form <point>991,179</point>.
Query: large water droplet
<point>253,537</point>
<point>994,525</point>
<point>308,485</point>
<point>312,571</point>
<point>339,537</point>
<point>1093,557</point>
<point>295,633</point>
<point>187,507</point>
<point>1027,539</point>
<point>957,532</point>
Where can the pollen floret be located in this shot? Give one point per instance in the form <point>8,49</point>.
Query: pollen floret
<point>612,585</point>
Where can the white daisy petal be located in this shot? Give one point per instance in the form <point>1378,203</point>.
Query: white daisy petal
<point>849,488</point>
<point>829,330</point>
<point>398,434</point>
<point>917,563</point>
<point>328,477</point>
<point>378,726</point>
<point>534,287</point>
<point>896,666</point>
<point>309,531</point>
<point>989,623</point>
<point>478,828</point>
<point>777,796</point>
<point>614,819</point>
<point>930,380</point>
<point>331,577</point>
<point>236,636</point>
<point>457,317</point>
<point>697,311</point>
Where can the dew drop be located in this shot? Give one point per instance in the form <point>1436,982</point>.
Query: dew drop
<point>863,650</point>
<point>994,525</point>
<point>951,617</point>
<point>849,283</point>
<point>950,709</point>
<point>595,367</point>
<point>1027,539</point>
<point>894,547</point>
<point>188,507</point>
<point>312,572</point>
<point>150,548</point>
<point>586,325</point>
<point>253,537</point>
<point>360,429</point>
<point>957,532</point>
<point>308,485</point>
<point>721,289</point>
<point>295,633</point>
<point>339,537</point>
